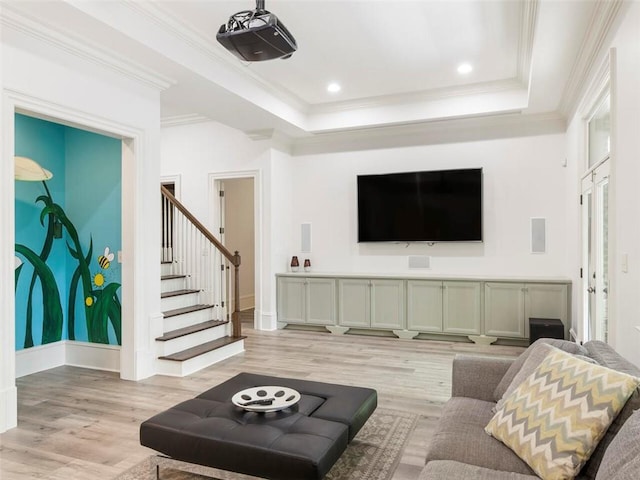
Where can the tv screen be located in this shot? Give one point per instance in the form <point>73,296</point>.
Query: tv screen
<point>432,206</point>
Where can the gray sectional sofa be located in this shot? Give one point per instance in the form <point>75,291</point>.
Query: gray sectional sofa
<point>460,449</point>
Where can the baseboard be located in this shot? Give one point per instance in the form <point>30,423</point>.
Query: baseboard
<point>40,358</point>
<point>8,408</point>
<point>93,355</point>
<point>68,352</point>
<point>267,321</point>
<point>247,302</point>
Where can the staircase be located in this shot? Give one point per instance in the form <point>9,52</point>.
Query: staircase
<point>196,331</point>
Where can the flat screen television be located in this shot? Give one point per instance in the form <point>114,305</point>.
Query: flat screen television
<point>430,206</point>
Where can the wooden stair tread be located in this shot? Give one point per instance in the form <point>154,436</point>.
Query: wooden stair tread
<point>181,332</point>
<point>176,293</point>
<point>171,277</point>
<point>183,310</point>
<point>201,349</point>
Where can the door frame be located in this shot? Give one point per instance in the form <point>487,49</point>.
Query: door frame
<point>134,358</point>
<point>603,81</point>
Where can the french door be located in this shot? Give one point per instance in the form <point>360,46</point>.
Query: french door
<point>595,253</point>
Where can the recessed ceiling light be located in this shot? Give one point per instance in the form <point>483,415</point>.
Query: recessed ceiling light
<point>333,87</point>
<point>464,68</point>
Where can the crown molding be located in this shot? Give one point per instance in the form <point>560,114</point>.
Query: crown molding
<point>186,32</point>
<point>603,18</point>
<point>527,33</point>
<point>82,48</point>
<point>417,97</point>
<point>186,119</point>
<point>597,88</point>
<point>467,129</point>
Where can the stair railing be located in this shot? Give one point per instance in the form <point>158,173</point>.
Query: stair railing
<point>194,251</point>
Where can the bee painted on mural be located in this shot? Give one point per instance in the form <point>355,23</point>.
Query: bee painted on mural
<point>99,280</point>
<point>105,260</point>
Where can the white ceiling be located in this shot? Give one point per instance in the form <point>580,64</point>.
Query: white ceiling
<point>396,60</point>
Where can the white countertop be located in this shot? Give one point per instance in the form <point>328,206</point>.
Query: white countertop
<point>427,276</point>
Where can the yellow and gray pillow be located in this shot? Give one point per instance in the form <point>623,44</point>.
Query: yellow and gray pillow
<point>555,418</point>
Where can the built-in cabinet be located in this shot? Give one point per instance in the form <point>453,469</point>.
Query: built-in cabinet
<point>420,305</point>
<point>307,300</point>
<point>371,303</point>
<point>444,306</point>
<point>508,306</point>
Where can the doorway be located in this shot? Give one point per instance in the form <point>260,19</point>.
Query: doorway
<point>595,196</point>
<point>236,217</point>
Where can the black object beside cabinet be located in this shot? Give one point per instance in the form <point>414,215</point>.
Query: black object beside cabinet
<point>545,328</point>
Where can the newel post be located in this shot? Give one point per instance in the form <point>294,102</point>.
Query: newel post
<point>237,327</point>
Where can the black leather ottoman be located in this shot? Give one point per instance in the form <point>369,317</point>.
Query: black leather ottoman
<point>302,442</point>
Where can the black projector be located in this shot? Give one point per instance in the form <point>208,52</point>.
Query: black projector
<point>256,35</point>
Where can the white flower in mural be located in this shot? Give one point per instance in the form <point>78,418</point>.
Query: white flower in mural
<point>18,262</point>
<point>30,171</point>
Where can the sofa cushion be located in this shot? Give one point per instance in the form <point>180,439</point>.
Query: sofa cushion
<point>460,436</point>
<point>449,469</point>
<point>556,417</point>
<point>536,354</point>
<point>515,367</point>
<point>622,459</point>
<point>608,357</point>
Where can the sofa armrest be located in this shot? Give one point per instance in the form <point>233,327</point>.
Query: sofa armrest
<point>477,377</point>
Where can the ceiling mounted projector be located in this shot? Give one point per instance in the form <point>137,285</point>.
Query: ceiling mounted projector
<point>256,35</point>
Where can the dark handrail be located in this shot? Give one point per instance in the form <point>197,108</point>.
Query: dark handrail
<point>230,256</point>
<point>234,258</point>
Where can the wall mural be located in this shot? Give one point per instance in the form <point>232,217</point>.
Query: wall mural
<point>101,302</point>
<point>68,233</point>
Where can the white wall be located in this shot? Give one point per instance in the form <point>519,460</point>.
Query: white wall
<point>625,178</point>
<point>522,178</point>
<point>193,151</point>
<point>200,152</point>
<point>40,77</point>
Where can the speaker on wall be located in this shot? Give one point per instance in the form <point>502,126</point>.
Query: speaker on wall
<point>305,238</point>
<point>538,235</point>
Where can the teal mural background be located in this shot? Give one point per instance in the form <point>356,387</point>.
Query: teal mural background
<point>86,183</point>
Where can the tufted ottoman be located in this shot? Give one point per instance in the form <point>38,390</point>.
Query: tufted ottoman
<point>302,442</point>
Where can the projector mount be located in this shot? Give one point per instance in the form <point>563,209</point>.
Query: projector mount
<point>248,18</point>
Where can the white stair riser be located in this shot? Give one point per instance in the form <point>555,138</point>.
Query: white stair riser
<point>192,340</point>
<point>180,301</point>
<point>188,319</point>
<point>166,268</point>
<point>173,284</point>
<point>180,369</point>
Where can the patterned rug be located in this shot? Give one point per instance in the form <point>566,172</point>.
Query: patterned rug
<point>373,454</point>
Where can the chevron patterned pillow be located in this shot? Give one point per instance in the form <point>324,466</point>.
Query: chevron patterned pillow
<point>557,416</point>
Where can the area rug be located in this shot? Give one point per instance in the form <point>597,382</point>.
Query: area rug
<point>373,454</point>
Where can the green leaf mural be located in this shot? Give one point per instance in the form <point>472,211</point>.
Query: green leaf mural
<point>101,305</point>
<point>52,311</point>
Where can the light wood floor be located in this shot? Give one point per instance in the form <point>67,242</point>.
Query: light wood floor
<point>76,423</point>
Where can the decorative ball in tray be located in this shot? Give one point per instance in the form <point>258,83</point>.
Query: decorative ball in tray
<point>266,399</point>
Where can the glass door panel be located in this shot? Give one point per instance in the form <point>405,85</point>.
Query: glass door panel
<point>600,132</point>
<point>601,294</point>
<point>595,253</point>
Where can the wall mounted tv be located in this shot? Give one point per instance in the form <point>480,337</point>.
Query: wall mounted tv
<point>430,206</point>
